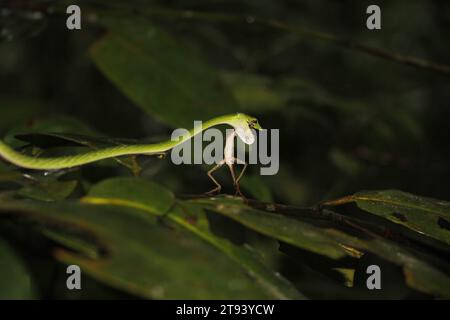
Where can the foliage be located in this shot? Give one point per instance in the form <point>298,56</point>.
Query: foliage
<point>139,226</point>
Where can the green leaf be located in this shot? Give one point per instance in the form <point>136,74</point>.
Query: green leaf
<point>345,162</point>
<point>140,255</point>
<point>427,216</point>
<point>163,77</point>
<point>48,190</point>
<point>145,195</point>
<point>17,110</point>
<point>55,123</point>
<point>295,232</point>
<point>253,92</point>
<point>133,192</point>
<point>418,273</point>
<point>60,139</point>
<point>36,186</point>
<point>272,282</point>
<point>15,280</point>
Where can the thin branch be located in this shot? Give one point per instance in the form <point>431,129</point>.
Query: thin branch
<point>313,34</point>
<point>356,46</point>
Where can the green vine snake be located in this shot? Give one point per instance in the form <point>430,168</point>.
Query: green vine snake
<point>241,123</point>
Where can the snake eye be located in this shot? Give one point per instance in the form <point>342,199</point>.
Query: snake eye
<point>253,124</point>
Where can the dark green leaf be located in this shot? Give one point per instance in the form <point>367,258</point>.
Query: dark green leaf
<point>162,76</point>
<point>133,192</point>
<point>283,228</point>
<point>146,196</point>
<point>424,215</point>
<point>15,280</point>
<point>56,123</point>
<point>253,92</point>
<point>48,190</point>
<point>142,256</point>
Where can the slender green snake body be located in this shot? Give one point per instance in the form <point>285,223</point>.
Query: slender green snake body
<point>241,123</point>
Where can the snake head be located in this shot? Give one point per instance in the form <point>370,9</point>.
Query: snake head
<point>253,123</point>
<point>244,126</point>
